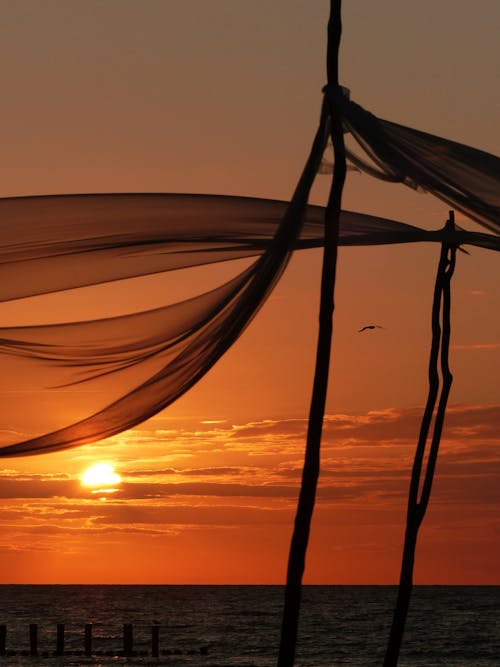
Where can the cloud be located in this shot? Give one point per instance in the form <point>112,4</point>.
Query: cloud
<point>189,515</point>
<point>340,425</point>
<point>281,427</point>
<point>214,421</point>
<point>365,456</point>
<point>154,490</point>
<point>26,487</point>
<point>480,422</point>
<point>203,472</point>
<point>476,346</point>
<point>87,529</point>
<point>236,486</point>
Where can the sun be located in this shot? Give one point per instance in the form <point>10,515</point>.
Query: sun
<point>102,477</point>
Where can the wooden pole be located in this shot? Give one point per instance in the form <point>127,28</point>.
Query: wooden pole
<point>33,639</point>
<point>155,641</point>
<point>88,639</point>
<point>3,639</point>
<point>441,307</point>
<point>60,639</point>
<point>128,639</point>
<point>310,473</point>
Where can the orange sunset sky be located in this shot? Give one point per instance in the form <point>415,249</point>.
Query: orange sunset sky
<point>223,97</point>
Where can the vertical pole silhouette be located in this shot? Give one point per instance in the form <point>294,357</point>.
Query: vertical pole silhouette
<point>310,473</point>
<point>60,639</point>
<point>3,639</point>
<point>155,641</point>
<point>128,639</point>
<point>441,308</point>
<point>88,639</point>
<point>33,639</point>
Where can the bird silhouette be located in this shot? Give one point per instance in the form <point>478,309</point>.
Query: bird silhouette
<point>370,326</point>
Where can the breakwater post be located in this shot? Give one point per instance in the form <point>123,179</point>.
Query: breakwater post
<point>3,638</point>
<point>155,641</point>
<point>62,650</point>
<point>88,639</point>
<point>33,639</point>
<point>128,639</point>
<point>60,639</point>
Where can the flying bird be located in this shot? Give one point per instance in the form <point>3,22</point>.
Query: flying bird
<point>370,326</point>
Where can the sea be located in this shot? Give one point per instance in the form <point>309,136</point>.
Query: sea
<point>239,626</point>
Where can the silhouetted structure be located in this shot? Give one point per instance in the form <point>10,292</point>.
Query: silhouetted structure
<point>130,235</point>
<point>310,472</point>
<point>418,506</point>
<point>87,649</point>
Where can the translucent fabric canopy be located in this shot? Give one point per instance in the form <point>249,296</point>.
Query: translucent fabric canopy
<point>465,178</point>
<point>110,373</point>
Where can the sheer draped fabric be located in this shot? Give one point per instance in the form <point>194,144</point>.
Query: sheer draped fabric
<point>129,371</point>
<point>108,374</point>
<point>465,178</point>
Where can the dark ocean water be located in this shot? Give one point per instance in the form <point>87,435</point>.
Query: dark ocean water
<point>237,626</point>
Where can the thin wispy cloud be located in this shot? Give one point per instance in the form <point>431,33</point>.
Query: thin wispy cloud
<point>476,346</point>
<point>227,477</point>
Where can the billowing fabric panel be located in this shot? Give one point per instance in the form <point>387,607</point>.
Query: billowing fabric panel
<point>90,379</point>
<point>125,369</point>
<point>465,178</point>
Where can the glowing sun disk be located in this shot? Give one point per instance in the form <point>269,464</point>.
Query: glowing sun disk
<point>101,475</point>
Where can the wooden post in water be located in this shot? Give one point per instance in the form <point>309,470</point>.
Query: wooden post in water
<point>33,639</point>
<point>3,639</point>
<point>88,639</point>
<point>155,641</point>
<point>128,639</point>
<point>60,639</point>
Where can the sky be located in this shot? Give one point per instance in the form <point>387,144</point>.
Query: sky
<point>223,97</point>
